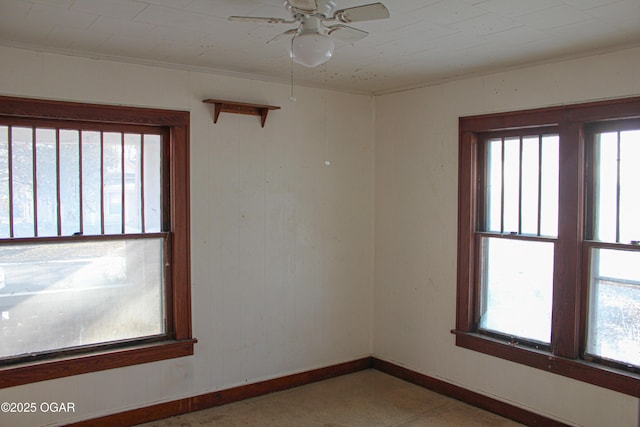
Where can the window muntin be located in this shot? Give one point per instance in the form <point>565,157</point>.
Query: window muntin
<point>521,205</point>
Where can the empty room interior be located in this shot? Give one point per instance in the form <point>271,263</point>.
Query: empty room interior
<point>203,202</point>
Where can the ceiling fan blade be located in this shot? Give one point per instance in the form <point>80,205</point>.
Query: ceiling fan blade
<point>286,33</point>
<point>304,5</point>
<point>345,33</point>
<point>367,12</point>
<point>260,19</point>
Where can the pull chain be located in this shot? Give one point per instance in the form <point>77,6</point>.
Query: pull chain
<point>292,98</point>
<point>327,162</point>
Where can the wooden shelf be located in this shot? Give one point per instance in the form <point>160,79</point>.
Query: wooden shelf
<point>222,106</point>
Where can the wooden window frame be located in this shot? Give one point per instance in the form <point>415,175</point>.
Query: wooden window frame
<point>178,340</point>
<point>565,357</point>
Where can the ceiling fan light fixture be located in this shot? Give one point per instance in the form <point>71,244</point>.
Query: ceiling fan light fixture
<point>311,49</point>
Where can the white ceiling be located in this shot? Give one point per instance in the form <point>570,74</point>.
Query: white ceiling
<point>424,41</point>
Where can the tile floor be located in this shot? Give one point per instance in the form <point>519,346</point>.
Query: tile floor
<point>367,398</point>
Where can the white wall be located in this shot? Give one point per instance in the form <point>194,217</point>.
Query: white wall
<point>282,245</point>
<point>416,220</point>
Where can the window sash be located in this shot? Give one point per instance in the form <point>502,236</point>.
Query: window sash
<point>490,319</point>
<point>499,179</point>
<point>71,275</point>
<point>164,288</point>
<point>594,180</point>
<point>588,250</point>
<point>145,199</point>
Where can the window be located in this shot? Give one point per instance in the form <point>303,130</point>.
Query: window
<point>613,244</point>
<point>520,223</point>
<point>94,238</point>
<point>549,241</point>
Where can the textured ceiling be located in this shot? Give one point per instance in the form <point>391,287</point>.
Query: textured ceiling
<point>424,41</point>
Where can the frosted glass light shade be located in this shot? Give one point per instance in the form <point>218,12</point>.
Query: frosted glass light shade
<point>311,49</point>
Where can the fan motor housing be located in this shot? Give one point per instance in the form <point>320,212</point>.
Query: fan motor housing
<point>324,8</point>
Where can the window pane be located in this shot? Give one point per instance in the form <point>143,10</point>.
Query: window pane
<point>530,176</point>
<point>606,185</point>
<point>494,185</point>
<point>629,180</point>
<point>4,181</point>
<point>62,295</point>
<point>152,183</point>
<point>517,281</point>
<point>511,209</point>
<point>133,188</point>
<point>112,182</point>
<point>549,186</point>
<point>525,199</point>
<point>22,181</point>
<point>614,306</point>
<point>47,182</point>
<point>91,183</point>
<point>69,182</point>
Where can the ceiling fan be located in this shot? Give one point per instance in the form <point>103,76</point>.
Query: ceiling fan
<point>313,43</point>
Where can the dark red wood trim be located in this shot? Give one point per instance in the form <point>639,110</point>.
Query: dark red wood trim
<point>601,111</point>
<point>481,401</point>
<point>93,126</point>
<point>511,120</point>
<point>467,182</point>
<point>15,375</point>
<point>567,253</point>
<point>596,374</point>
<point>222,397</point>
<point>76,111</point>
<point>549,116</point>
<point>521,237</point>
<point>180,226</point>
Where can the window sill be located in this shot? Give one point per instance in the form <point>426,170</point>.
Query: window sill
<point>602,376</point>
<point>25,373</point>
